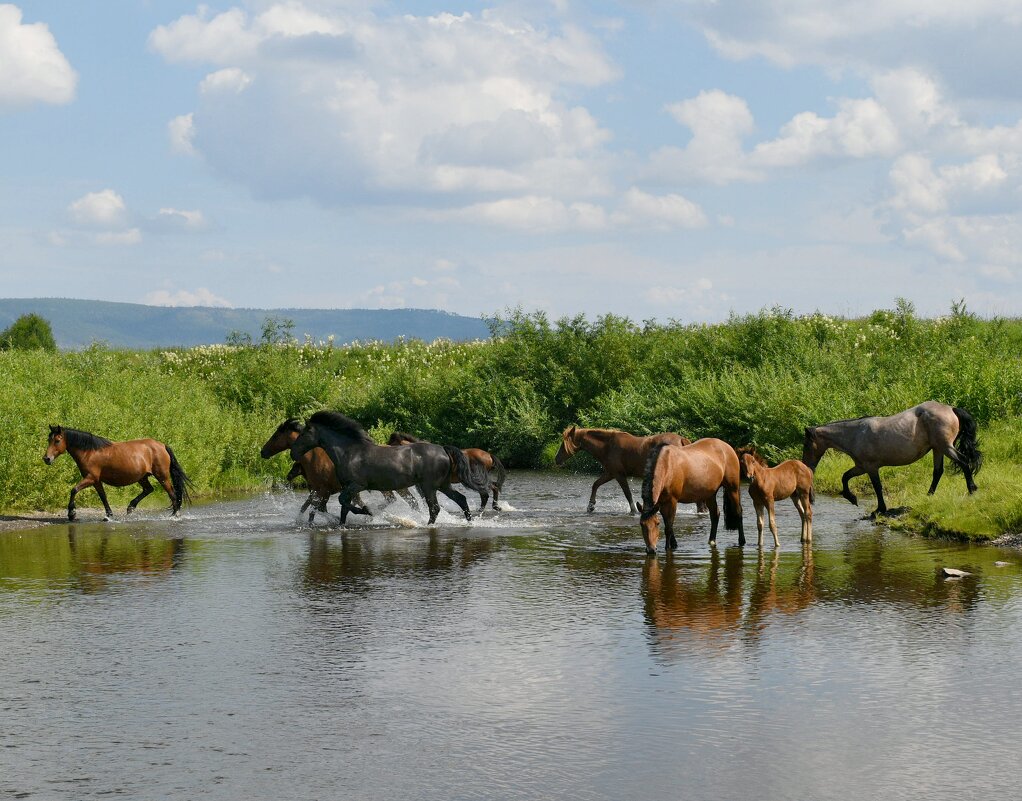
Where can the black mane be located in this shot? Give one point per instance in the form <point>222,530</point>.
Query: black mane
<point>291,424</point>
<point>84,441</point>
<point>342,426</point>
<point>402,437</point>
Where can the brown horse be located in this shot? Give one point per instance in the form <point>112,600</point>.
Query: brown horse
<point>118,464</point>
<point>621,454</point>
<point>875,442</point>
<point>688,474</point>
<point>315,466</point>
<point>488,467</point>
<point>790,479</point>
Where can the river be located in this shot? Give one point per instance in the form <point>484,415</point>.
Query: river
<point>235,653</point>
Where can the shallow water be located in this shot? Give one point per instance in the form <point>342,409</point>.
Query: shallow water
<point>237,654</point>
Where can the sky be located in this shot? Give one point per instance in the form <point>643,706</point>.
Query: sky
<point>680,159</point>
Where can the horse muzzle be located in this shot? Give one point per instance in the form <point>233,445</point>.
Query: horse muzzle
<point>48,459</point>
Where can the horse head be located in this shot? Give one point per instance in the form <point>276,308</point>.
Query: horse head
<point>812,449</point>
<point>282,439</point>
<point>305,442</point>
<point>56,444</point>
<point>568,446</point>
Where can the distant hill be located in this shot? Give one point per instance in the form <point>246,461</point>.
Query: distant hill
<point>78,323</point>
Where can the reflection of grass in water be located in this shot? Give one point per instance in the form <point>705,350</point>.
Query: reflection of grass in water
<point>994,509</point>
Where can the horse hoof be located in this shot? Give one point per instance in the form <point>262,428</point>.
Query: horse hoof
<point>650,551</point>
<point>591,508</point>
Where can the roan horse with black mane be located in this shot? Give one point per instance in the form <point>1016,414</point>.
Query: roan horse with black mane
<point>361,464</point>
<point>903,438</point>
<point>118,464</point>
<point>621,454</point>
<point>490,471</point>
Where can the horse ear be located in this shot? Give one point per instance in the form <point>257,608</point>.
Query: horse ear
<point>55,429</point>
<point>638,506</point>
<point>571,431</point>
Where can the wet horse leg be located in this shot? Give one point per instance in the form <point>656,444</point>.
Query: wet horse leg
<point>760,507</point>
<point>623,481</point>
<point>881,509</point>
<point>495,487</point>
<point>714,510</point>
<point>603,479</point>
<point>101,492</point>
<point>801,505</point>
<point>86,482</point>
<point>846,493</point>
<point>459,499</point>
<point>147,489</point>
<point>773,521</point>
<point>429,493</point>
<point>668,509</point>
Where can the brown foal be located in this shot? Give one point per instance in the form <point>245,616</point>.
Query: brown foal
<point>790,479</point>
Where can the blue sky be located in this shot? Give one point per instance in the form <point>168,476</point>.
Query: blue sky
<point>676,159</point>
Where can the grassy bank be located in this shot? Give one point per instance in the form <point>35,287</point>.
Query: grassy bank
<point>759,378</point>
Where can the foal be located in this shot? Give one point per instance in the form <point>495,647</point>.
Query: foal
<point>790,479</point>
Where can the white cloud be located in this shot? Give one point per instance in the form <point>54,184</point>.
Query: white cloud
<point>131,236</point>
<point>181,131</point>
<point>184,297</point>
<point>639,209</point>
<point>32,67</point>
<point>103,209</point>
<point>719,123</point>
<point>230,79</point>
<point>178,219</point>
<point>338,104</point>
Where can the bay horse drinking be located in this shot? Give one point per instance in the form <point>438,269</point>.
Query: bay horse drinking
<point>903,438</point>
<point>361,464</point>
<point>790,479</point>
<point>489,469</point>
<point>687,474</point>
<point>118,464</point>
<point>621,454</point>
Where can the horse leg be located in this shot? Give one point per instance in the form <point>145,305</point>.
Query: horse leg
<point>773,521</point>
<point>628,494</point>
<point>799,501</point>
<point>603,479</point>
<point>175,504</point>
<point>345,497</point>
<point>362,509</point>
<point>668,509</point>
<point>959,460</point>
<point>881,509</point>
<point>846,493</point>
<point>410,499</point>
<point>938,470</point>
<point>808,505</point>
<point>714,510</point>
<point>459,499</point>
<point>87,481</point>
<point>147,489</point>
<point>101,492</point>
<point>483,498</point>
<point>759,521</point>
<point>496,491</point>
<point>429,493</point>
<point>307,504</point>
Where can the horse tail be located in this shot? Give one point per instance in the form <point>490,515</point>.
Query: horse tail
<point>812,491</point>
<point>648,500</point>
<point>466,475</point>
<point>967,442</point>
<point>498,469</point>
<point>732,510</point>
<point>179,480</point>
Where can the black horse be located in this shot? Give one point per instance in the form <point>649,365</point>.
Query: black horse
<point>361,464</point>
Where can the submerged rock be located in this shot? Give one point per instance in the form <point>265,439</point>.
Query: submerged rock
<point>952,572</point>
<point>1001,564</point>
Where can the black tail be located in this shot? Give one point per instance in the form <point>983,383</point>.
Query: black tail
<point>648,502</point>
<point>967,442</point>
<point>179,481</point>
<point>469,477</point>
<point>812,492</point>
<point>498,474</point>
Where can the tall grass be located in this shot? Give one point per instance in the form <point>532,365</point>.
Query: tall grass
<point>758,378</point>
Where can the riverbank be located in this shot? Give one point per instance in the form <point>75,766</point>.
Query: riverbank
<point>757,379</point>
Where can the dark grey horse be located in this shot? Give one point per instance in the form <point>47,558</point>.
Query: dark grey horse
<point>875,442</point>
<point>361,464</point>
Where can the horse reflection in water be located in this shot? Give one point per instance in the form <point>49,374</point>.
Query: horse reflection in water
<point>94,559</point>
<point>708,602</point>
